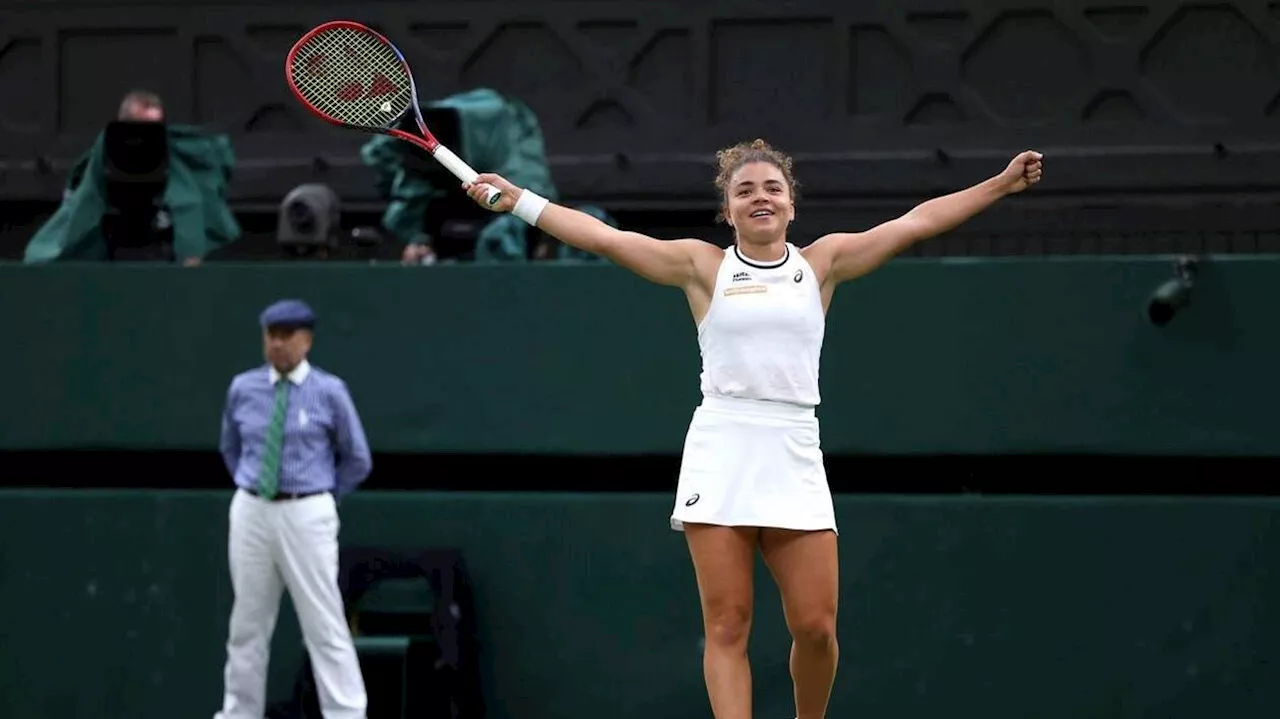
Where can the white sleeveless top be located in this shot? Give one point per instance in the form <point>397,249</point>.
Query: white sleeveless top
<point>762,335</point>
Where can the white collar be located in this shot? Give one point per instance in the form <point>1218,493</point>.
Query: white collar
<point>296,376</point>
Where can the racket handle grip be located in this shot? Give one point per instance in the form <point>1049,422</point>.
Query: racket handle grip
<point>463,171</point>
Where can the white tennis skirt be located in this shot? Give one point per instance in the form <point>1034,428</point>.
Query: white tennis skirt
<point>749,463</point>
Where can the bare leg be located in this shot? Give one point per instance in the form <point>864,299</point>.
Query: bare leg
<point>723,559</point>
<point>806,568</point>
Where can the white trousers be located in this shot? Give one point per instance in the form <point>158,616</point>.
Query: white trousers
<point>273,546</point>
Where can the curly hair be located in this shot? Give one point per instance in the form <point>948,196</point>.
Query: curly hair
<point>731,159</point>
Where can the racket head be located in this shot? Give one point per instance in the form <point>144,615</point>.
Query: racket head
<point>350,75</point>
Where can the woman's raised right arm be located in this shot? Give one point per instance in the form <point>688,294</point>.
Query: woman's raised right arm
<point>665,262</point>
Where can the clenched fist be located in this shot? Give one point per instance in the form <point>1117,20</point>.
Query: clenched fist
<point>1023,172</point>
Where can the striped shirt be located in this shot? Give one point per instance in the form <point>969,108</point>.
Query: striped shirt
<point>324,447</point>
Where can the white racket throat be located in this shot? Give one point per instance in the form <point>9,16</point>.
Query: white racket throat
<point>463,171</point>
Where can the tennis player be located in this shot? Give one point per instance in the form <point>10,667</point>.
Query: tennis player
<point>752,472</point>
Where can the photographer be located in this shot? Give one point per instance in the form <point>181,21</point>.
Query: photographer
<point>145,191</point>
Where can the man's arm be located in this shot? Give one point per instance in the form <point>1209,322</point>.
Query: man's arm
<point>229,442</point>
<point>848,255</point>
<point>354,460</point>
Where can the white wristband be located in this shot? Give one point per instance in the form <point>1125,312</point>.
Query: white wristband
<point>529,207</point>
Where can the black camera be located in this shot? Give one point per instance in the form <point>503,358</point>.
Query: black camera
<point>135,224</point>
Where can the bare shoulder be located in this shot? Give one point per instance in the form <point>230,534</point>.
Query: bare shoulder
<point>828,244</point>
<point>705,256</point>
<point>821,253</point>
<point>701,250</point>
<point>704,259</point>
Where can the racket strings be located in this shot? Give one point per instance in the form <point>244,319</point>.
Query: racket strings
<point>352,76</point>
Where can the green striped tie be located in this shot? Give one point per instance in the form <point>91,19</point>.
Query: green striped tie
<point>268,477</point>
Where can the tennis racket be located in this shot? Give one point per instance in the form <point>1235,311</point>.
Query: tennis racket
<point>352,76</point>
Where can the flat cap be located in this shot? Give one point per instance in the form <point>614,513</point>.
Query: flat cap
<point>288,313</point>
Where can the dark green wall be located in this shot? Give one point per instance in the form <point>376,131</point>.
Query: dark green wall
<point>115,604</point>
<point>991,356</point>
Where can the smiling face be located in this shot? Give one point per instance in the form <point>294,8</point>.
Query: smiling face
<point>758,203</point>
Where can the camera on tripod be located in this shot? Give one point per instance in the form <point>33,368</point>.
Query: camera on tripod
<point>135,224</point>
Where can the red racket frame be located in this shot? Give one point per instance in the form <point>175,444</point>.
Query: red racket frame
<point>427,141</point>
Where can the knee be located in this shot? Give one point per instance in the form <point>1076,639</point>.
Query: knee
<point>728,626</point>
<point>816,628</point>
<point>250,636</point>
